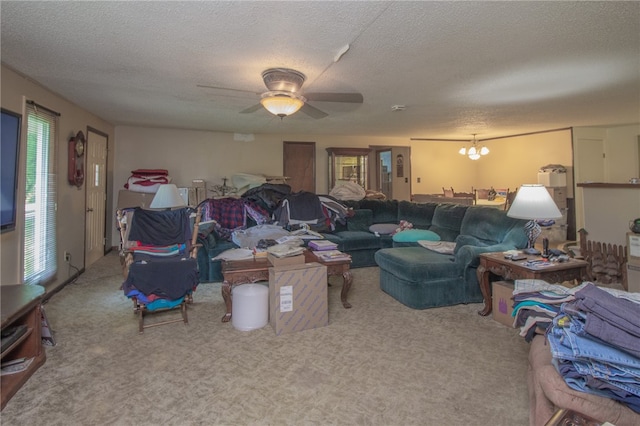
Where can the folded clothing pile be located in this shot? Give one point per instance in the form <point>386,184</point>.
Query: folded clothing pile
<point>147,180</point>
<point>595,345</point>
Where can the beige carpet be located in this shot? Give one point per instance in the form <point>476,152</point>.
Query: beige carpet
<point>379,363</point>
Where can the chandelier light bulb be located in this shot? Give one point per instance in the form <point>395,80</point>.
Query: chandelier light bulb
<point>472,151</point>
<point>462,151</point>
<point>484,150</point>
<point>474,156</point>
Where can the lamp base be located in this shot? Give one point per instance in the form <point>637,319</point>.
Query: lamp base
<point>531,251</point>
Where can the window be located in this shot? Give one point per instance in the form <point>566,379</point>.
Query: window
<point>40,262</point>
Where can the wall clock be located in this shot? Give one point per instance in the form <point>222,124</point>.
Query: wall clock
<point>76,159</point>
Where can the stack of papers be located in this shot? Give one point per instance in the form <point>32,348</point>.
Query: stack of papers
<point>331,255</point>
<point>318,245</point>
<point>285,250</point>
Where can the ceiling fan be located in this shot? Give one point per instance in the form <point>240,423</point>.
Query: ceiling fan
<point>284,98</point>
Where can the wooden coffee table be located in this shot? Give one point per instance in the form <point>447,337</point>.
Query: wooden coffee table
<point>238,272</point>
<point>335,268</point>
<point>495,263</point>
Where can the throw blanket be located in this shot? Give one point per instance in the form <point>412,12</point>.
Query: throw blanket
<point>300,207</point>
<point>231,214</point>
<point>160,228</point>
<point>147,180</point>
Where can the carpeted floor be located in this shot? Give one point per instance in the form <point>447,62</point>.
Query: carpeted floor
<point>378,363</point>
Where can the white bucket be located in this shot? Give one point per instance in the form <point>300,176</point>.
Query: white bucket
<point>250,306</point>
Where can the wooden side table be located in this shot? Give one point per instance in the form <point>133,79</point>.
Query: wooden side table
<point>236,272</point>
<point>495,263</point>
<point>337,268</point>
<point>21,306</point>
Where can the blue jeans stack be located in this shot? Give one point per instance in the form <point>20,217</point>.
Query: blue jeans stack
<point>595,344</point>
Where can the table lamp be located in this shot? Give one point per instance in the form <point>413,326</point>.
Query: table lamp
<point>533,202</point>
<point>167,197</point>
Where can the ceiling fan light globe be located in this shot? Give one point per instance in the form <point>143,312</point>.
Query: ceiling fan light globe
<point>282,106</point>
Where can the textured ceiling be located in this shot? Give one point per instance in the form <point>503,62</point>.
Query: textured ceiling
<point>491,68</point>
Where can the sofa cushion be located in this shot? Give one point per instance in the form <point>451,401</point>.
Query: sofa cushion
<point>420,215</point>
<point>384,211</point>
<point>361,220</point>
<point>416,264</point>
<point>357,240</point>
<point>447,220</point>
<point>384,228</point>
<point>414,235</point>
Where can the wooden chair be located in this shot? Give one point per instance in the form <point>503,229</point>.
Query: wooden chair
<point>481,194</point>
<point>159,259</point>
<point>448,192</point>
<point>510,197</point>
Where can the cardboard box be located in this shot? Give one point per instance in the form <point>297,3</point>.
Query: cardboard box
<point>285,261</point>
<point>633,249</point>
<point>502,292</point>
<point>552,179</point>
<point>633,279</point>
<point>298,297</point>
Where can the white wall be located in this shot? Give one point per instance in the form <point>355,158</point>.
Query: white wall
<point>620,162</point>
<point>189,155</point>
<point>71,200</point>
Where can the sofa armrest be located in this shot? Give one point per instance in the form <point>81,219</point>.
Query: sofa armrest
<point>469,256</point>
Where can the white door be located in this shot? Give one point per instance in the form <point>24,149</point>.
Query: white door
<point>96,196</point>
<point>401,177</point>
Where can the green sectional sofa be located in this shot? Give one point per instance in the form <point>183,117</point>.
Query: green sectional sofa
<point>417,277</point>
<point>421,278</point>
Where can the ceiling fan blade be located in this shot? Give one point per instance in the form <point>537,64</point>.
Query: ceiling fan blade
<point>313,112</point>
<point>251,109</point>
<point>440,140</point>
<point>205,86</point>
<point>354,98</point>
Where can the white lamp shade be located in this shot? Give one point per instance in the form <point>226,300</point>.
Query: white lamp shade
<point>281,105</point>
<point>533,202</point>
<point>167,197</point>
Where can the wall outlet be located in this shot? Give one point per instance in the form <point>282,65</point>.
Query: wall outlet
<point>67,256</point>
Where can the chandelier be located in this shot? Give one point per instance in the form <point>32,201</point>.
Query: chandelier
<point>282,103</point>
<point>475,151</point>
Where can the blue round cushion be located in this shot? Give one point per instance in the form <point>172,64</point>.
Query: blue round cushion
<point>413,235</point>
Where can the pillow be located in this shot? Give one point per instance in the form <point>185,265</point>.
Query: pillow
<point>445,247</point>
<point>383,228</point>
<point>414,235</point>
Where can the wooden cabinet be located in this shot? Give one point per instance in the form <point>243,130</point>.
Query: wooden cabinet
<point>21,307</point>
<point>348,165</point>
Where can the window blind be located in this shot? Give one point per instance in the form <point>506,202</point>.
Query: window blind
<point>40,257</point>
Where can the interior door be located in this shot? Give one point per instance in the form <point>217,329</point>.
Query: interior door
<point>96,195</point>
<point>299,165</point>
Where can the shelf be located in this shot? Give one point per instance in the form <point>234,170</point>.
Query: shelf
<point>21,305</point>
<point>16,343</point>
